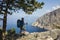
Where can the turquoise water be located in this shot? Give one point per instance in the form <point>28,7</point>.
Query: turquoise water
<point>29,28</point>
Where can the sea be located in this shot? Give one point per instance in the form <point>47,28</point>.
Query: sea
<point>12,23</point>
<point>29,28</point>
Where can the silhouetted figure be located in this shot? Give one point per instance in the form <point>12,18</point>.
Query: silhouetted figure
<point>20,24</point>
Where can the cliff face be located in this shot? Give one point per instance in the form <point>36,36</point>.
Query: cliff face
<point>48,35</point>
<point>49,21</point>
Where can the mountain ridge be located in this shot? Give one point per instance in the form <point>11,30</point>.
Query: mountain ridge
<point>49,20</point>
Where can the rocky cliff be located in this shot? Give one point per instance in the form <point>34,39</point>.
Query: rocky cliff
<point>49,20</point>
<point>48,35</point>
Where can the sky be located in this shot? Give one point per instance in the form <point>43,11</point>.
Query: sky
<point>49,5</point>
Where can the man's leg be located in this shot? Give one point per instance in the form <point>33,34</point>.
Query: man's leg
<point>21,29</point>
<point>24,29</point>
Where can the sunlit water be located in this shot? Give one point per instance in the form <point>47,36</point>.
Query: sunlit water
<point>29,28</point>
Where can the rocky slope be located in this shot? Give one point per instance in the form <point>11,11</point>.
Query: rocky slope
<point>48,35</point>
<point>49,21</point>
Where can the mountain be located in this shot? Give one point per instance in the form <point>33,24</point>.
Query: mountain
<point>49,20</point>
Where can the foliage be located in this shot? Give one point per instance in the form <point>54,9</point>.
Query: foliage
<point>11,31</point>
<point>27,6</point>
<point>10,34</point>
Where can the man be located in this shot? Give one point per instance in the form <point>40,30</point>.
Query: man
<point>20,24</point>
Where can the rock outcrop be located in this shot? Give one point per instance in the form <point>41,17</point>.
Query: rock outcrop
<point>48,35</point>
<point>49,21</point>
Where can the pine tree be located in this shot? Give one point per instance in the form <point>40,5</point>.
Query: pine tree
<point>7,6</point>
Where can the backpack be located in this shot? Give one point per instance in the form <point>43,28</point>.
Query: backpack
<point>18,23</point>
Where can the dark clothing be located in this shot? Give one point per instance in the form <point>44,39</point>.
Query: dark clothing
<point>20,24</point>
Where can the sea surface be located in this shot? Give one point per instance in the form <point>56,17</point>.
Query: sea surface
<point>29,28</point>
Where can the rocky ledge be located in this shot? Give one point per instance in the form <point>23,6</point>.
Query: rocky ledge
<point>47,35</point>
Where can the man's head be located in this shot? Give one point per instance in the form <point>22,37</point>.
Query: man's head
<point>22,19</point>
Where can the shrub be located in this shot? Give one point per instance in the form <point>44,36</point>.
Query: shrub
<point>11,31</point>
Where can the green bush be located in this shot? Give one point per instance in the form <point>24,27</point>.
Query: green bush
<point>11,31</point>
